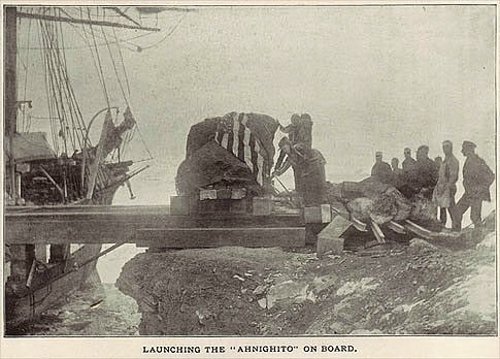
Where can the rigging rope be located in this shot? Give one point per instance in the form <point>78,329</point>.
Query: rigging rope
<point>25,125</point>
<point>114,67</point>
<point>122,61</point>
<point>167,35</point>
<point>99,61</point>
<point>52,122</point>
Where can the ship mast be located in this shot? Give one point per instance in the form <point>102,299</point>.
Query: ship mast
<point>10,72</point>
<point>10,89</point>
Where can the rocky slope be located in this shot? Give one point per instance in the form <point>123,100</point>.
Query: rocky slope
<point>417,288</point>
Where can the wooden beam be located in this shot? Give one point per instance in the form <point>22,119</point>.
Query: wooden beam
<point>418,230</point>
<point>360,226</point>
<point>83,21</point>
<point>396,227</point>
<point>379,235</point>
<point>109,224</point>
<point>219,237</point>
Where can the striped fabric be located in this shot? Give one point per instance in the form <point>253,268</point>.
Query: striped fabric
<point>234,135</point>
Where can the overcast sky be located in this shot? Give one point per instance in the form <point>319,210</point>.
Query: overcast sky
<point>372,78</point>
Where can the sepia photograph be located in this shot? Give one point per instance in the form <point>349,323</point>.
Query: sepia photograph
<point>269,170</point>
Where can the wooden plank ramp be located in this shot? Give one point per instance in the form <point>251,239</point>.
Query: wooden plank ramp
<point>218,237</point>
<point>149,225</point>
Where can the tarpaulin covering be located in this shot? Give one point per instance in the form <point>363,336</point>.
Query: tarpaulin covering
<point>247,140</point>
<point>30,146</point>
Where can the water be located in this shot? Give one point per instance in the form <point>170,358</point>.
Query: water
<point>91,312</point>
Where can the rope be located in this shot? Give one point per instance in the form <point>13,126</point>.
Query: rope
<point>122,61</point>
<point>26,128</point>
<point>52,122</point>
<point>167,35</point>
<point>114,67</point>
<point>99,61</point>
<point>52,83</point>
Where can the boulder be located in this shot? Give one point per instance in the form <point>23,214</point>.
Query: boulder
<point>361,208</point>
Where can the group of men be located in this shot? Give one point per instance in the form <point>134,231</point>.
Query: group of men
<point>437,180</point>
<point>434,179</point>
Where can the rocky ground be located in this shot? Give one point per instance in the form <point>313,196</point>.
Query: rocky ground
<point>401,288</point>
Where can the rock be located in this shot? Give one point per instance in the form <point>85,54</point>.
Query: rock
<point>466,307</point>
<point>421,289</point>
<point>321,283</point>
<point>259,290</point>
<point>420,246</point>
<point>361,286</point>
<point>287,292</point>
<point>360,208</point>
<point>384,208</point>
<point>488,243</point>
<point>262,303</point>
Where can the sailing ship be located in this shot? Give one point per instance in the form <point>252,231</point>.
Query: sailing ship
<point>67,167</point>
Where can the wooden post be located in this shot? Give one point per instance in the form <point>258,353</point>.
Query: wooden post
<point>21,259</point>
<point>10,89</point>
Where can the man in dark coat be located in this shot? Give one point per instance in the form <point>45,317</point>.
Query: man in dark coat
<point>477,179</point>
<point>426,172</point>
<point>382,170</point>
<point>309,168</point>
<point>409,161</point>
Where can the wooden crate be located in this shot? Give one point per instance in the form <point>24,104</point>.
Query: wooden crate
<point>318,214</point>
<point>262,206</point>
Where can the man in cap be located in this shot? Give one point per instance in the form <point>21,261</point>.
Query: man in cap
<point>382,170</point>
<point>446,187</point>
<point>309,171</point>
<point>409,161</point>
<point>304,134</point>
<point>477,179</point>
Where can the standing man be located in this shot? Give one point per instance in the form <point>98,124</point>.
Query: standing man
<point>304,134</point>
<point>426,173</point>
<point>381,170</point>
<point>309,168</point>
<point>446,188</point>
<point>477,179</point>
<point>409,161</point>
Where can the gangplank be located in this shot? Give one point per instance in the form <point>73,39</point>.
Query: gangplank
<point>150,226</point>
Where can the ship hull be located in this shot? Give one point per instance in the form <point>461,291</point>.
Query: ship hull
<point>60,281</point>
<point>30,305</point>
